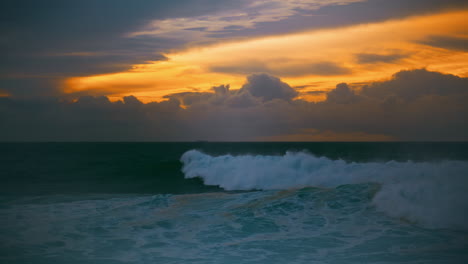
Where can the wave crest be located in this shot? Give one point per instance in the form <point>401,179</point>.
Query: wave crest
<point>433,194</point>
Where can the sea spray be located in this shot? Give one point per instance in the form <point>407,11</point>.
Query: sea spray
<point>130,203</point>
<point>432,194</point>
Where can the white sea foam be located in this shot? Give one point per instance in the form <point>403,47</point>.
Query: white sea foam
<point>434,194</point>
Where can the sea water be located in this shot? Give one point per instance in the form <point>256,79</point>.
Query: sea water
<point>234,202</point>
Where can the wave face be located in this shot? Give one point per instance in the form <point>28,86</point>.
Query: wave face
<point>433,194</point>
<point>308,225</point>
<point>140,203</point>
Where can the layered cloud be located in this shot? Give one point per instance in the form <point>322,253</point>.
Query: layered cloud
<point>355,54</point>
<point>143,71</point>
<point>412,105</point>
<point>273,17</point>
<point>247,15</point>
<point>448,42</point>
<point>42,45</point>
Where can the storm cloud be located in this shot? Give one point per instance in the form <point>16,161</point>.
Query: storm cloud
<point>413,105</point>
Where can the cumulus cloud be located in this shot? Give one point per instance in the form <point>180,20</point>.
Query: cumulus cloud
<point>42,48</point>
<point>259,88</point>
<point>412,105</point>
<point>268,87</point>
<point>410,85</point>
<point>342,94</point>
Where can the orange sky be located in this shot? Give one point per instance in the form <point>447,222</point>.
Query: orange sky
<point>312,60</point>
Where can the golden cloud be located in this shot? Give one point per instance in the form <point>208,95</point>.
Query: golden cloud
<point>355,54</point>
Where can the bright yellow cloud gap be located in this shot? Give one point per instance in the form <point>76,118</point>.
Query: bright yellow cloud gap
<point>316,60</point>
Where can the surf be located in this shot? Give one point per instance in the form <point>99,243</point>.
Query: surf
<point>432,194</point>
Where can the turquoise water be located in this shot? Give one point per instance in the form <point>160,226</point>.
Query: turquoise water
<point>234,203</point>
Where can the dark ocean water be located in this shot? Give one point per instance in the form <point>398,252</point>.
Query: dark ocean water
<point>207,202</point>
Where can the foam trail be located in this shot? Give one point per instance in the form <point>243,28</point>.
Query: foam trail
<point>431,193</point>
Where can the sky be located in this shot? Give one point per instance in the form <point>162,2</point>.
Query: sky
<point>244,70</point>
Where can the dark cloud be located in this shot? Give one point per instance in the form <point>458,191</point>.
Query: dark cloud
<point>312,84</point>
<point>316,92</point>
<point>343,15</point>
<point>447,42</point>
<point>268,88</point>
<point>326,69</point>
<point>414,105</point>
<point>244,68</point>
<point>411,85</point>
<point>43,39</point>
<point>27,87</point>
<point>292,68</point>
<point>258,89</point>
<point>371,58</point>
<point>342,95</point>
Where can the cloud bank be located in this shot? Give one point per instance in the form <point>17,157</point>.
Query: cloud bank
<point>413,105</point>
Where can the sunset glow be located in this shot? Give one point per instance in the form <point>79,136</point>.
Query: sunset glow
<point>241,70</point>
<point>312,60</point>
<point>234,131</point>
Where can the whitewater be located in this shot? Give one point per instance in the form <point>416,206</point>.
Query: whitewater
<point>432,194</point>
<point>116,203</point>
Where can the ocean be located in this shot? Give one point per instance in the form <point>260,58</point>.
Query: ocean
<point>206,202</point>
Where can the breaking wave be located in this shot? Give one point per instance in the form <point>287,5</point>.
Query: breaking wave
<point>433,194</point>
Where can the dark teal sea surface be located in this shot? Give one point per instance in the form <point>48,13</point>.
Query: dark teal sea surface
<point>205,202</point>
